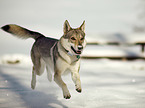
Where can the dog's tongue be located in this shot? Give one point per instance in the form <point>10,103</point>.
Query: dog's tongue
<point>78,52</point>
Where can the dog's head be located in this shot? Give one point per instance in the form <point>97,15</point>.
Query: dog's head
<point>73,40</point>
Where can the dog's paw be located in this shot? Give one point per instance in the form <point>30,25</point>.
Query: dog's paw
<point>49,76</point>
<point>66,93</point>
<point>79,90</point>
<point>33,84</point>
<point>68,96</point>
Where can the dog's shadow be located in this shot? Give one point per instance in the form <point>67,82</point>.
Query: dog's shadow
<point>31,99</point>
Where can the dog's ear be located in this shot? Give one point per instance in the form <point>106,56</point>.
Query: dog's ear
<point>82,27</point>
<point>66,27</point>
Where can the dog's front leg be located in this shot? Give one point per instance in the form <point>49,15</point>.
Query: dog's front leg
<point>76,76</point>
<point>59,81</point>
<point>76,80</point>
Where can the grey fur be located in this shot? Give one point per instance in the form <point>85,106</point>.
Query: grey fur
<point>57,56</point>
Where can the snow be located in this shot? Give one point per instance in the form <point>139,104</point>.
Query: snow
<point>126,45</point>
<point>122,38</point>
<point>12,58</point>
<point>105,84</point>
<point>112,50</point>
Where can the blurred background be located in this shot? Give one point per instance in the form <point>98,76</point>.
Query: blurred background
<point>48,16</point>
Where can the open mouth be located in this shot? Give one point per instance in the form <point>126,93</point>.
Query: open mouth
<point>77,52</point>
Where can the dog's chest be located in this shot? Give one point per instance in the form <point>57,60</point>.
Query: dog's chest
<point>64,67</point>
<point>67,58</point>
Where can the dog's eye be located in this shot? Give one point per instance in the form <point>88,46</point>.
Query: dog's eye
<point>73,38</point>
<point>82,38</point>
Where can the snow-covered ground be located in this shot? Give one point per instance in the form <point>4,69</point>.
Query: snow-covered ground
<point>105,84</point>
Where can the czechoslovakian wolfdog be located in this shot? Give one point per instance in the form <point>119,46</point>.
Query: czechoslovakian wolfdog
<point>56,55</point>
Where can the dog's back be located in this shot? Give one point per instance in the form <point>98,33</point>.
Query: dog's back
<point>44,45</point>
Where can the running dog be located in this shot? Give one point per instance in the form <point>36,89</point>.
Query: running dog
<point>57,56</point>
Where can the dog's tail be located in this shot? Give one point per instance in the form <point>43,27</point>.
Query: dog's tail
<point>21,32</point>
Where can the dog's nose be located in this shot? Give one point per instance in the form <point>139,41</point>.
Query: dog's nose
<point>80,47</point>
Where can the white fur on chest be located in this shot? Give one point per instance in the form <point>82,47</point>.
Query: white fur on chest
<point>65,67</point>
<point>66,63</point>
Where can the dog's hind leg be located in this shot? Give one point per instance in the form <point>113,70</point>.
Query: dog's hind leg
<point>38,66</point>
<point>49,67</point>
<point>49,75</point>
<point>33,82</point>
<point>38,69</point>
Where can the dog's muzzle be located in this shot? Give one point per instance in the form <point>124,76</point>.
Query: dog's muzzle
<point>79,51</point>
